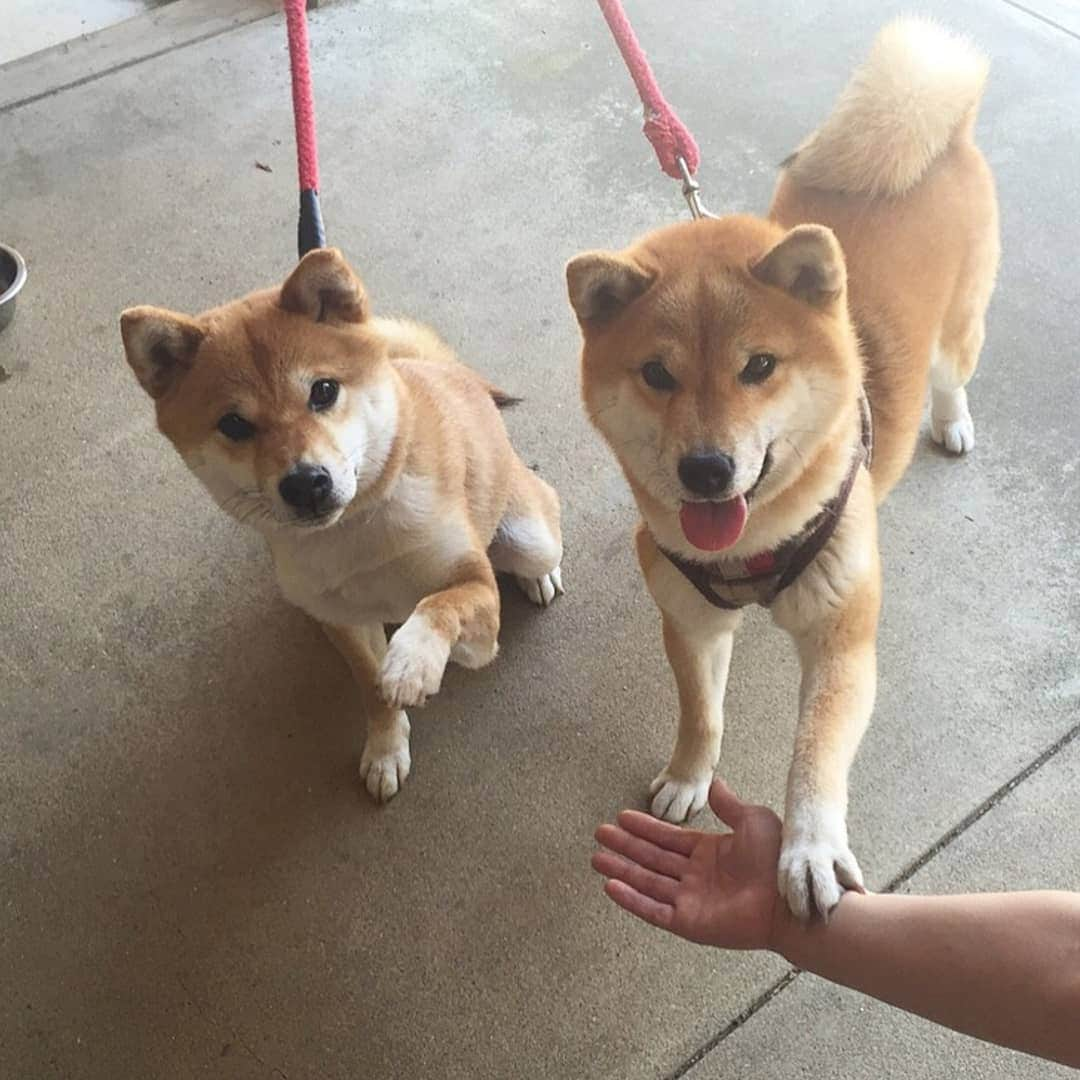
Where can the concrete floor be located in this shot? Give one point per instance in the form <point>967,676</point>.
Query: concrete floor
<point>31,25</point>
<point>192,882</point>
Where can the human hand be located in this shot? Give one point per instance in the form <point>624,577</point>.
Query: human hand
<point>712,888</point>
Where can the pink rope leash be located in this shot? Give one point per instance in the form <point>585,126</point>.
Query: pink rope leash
<point>670,138</point>
<point>310,231</point>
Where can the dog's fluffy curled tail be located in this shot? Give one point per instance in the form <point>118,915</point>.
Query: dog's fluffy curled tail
<point>918,90</point>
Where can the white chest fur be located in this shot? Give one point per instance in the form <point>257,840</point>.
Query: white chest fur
<point>375,565</point>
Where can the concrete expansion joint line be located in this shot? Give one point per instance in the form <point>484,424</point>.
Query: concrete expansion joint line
<point>1042,18</point>
<point>11,106</point>
<point>233,1033</point>
<point>270,14</point>
<point>983,809</point>
<point>905,875</point>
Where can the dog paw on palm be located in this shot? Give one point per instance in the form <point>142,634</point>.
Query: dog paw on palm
<point>415,661</point>
<point>816,864</point>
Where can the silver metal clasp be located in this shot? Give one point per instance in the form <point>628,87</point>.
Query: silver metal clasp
<point>690,189</point>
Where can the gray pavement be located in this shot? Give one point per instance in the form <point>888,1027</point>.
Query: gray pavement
<point>193,883</point>
<point>815,1028</point>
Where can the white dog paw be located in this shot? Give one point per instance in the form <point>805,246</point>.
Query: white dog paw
<point>951,425</point>
<point>385,764</point>
<point>957,436</point>
<point>413,667</point>
<point>816,865</point>
<point>543,590</point>
<point>677,800</point>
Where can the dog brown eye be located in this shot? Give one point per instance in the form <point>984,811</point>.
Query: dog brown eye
<point>657,376</point>
<point>234,426</point>
<point>758,368</point>
<point>324,393</point>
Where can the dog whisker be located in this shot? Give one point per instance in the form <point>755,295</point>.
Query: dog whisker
<point>797,451</point>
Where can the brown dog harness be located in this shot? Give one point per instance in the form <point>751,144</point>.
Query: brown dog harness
<point>758,580</point>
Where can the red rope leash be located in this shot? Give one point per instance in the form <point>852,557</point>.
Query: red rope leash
<point>307,156</point>
<point>669,136</point>
<point>310,232</point>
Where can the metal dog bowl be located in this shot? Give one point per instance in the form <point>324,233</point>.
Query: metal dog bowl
<point>12,279</point>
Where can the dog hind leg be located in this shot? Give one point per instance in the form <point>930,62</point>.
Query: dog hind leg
<point>528,541</point>
<point>951,424</point>
<point>957,354</point>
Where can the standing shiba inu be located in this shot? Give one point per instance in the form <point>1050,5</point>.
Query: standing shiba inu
<point>375,464</point>
<point>728,364</point>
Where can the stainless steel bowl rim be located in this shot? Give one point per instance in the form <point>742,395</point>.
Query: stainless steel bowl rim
<point>20,274</point>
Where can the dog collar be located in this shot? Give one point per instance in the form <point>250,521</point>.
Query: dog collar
<point>735,583</point>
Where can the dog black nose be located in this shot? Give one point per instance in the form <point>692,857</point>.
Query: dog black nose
<point>708,473</point>
<point>306,487</point>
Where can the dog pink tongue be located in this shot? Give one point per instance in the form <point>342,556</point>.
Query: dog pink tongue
<point>713,526</point>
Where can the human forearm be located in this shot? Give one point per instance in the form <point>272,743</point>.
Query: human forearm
<point>1002,967</point>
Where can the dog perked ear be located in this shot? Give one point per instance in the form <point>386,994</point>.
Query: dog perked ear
<point>807,263</point>
<point>602,284</point>
<point>160,346</point>
<point>324,287</point>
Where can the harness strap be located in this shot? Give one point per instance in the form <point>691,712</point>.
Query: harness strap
<point>700,576</point>
<point>793,556</point>
<point>830,515</point>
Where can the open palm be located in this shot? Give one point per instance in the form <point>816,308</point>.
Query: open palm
<point>715,889</point>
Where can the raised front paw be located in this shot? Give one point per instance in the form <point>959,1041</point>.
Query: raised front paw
<point>677,798</point>
<point>816,864</point>
<point>413,667</point>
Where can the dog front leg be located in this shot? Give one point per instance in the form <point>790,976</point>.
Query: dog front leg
<point>836,697</point>
<point>698,640</point>
<point>385,762</point>
<point>699,661</point>
<point>459,622</point>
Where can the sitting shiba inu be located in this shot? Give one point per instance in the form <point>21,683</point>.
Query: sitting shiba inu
<point>375,464</point>
<point>729,362</point>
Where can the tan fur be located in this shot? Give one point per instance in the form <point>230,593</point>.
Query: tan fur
<point>873,269</point>
<point>423,479</point>
<point>917,90</point>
